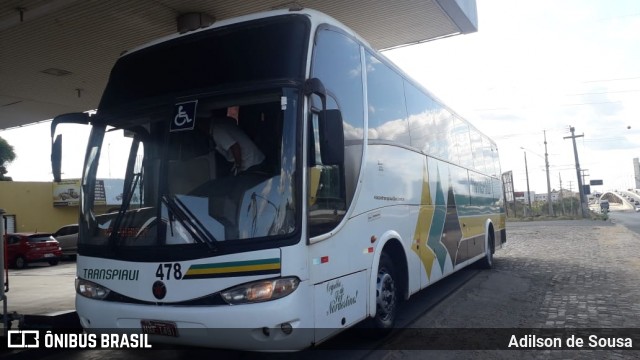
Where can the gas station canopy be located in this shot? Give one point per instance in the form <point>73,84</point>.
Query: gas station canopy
<point>56,55</point>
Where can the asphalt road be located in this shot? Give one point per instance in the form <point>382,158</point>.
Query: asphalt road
<point>629,219</point>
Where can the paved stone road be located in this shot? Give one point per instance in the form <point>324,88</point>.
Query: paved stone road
<point>556,274</point>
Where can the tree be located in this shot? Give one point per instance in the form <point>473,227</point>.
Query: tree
<point>7,155</point>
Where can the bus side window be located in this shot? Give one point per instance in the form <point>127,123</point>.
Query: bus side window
<point>337,62</point>
<point>327,203</point>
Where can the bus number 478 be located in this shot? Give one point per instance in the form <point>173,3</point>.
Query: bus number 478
<point>165,271</point>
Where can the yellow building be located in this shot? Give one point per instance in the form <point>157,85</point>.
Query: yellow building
<point>29,207</point>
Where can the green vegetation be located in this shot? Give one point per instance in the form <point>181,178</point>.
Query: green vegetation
<point>567,209</point>
<point>7,155</point>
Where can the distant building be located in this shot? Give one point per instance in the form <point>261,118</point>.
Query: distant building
<point>541,197</point>
<point>43,206</point>
<point>636,172</point>
<point>521,196</point>
<point>556,195</point>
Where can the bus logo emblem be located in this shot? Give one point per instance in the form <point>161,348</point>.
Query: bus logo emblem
<point>184,116</point>
<point>159,290</point>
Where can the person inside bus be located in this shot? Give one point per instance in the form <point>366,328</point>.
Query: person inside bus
<point>192,158</point>
<point>233,143</point>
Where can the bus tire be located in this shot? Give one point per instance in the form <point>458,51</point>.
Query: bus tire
<point>487,261</point>
<point>386,296</point>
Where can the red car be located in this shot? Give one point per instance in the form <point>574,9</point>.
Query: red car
<point>25,248</point>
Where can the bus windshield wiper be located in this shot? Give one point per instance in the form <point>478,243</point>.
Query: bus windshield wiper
<point>126,200</point>
<point>190,222</point>
<point>130,183</point>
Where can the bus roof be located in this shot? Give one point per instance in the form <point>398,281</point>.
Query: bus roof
<point>315,17</point>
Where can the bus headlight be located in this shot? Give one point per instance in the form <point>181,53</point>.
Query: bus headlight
<point>91,290</point>
<point>263,290</point>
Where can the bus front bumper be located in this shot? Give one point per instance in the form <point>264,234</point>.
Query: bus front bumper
<point>285,324</point>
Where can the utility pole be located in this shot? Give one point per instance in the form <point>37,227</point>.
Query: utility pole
<point>571,192</point>
<point>584,185</point>
<point>561,197</point>
<point>584,175</point>
<point>526,170</point>
<point>575,154</point>
<point>546,162</point>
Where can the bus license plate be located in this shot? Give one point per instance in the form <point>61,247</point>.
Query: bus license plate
<point>48,255</point>
<point>159,328</point>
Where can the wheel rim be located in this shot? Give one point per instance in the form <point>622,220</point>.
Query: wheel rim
<point>19,262</point>
<point>385,295</point>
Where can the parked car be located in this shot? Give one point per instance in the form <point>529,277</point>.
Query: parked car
<point>67,236</point>
<point>25,248</point>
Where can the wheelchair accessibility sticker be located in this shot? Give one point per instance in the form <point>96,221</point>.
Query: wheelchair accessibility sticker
<point>184,116</point>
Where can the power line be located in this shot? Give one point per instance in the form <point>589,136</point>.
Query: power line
<point>592,103</point>
<point>604,92</point>
<point>605,139</point>
<point>549,106</point>
<point>613,79</point>
<point>500,108</point>
<point>528,133</point>
<point>617,17</point>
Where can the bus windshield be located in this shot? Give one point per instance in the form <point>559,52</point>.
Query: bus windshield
<point>204,171</point>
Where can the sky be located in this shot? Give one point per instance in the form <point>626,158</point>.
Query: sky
<point>532,67</point>
<point>544,66</point>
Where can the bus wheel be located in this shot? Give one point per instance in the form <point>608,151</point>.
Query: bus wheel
<point>487,261</point>
<point>386,295</point>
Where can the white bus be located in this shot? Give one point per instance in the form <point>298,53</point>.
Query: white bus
<point>369,189</point>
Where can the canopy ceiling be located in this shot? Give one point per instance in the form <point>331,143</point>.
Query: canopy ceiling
<point>55,55</point>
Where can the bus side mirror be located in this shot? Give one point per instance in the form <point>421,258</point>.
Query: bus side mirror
<point>330,126</point>
<point>56,145</point>
<point>56,158</point>
<point>315,86</point>
<point>331,137</point>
